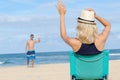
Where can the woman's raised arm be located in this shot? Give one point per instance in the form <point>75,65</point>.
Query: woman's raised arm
<point>62,11</point>
<point>104,34</point>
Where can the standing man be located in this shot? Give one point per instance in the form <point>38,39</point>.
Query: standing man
<point>30,49</point>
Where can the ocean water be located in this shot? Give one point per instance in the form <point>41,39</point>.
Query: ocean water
<point>45,58</point>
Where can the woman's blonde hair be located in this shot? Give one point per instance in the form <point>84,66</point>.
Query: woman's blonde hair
<point>87,33</point>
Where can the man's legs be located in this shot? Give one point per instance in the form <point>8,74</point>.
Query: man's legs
<point>27,62</point>
<point>33,58</point>
<point>33,63</point>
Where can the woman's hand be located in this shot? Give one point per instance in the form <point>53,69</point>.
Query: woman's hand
<point>61,8</point>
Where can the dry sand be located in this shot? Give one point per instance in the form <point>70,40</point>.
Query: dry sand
<point>50,72</point>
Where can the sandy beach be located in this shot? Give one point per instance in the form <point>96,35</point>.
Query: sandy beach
<point>50,72</point>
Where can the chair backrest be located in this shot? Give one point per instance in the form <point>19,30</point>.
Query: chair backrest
<point>90,66</point>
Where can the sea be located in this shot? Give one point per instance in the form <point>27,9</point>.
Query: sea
<point>18,59</point>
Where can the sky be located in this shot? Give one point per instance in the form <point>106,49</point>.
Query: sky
<point>20,18</point>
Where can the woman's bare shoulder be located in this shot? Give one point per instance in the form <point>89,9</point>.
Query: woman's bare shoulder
<point>100,44</point>
<point>75,44</point>
<point>74,41</point>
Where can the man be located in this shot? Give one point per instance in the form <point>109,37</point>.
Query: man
<point>30,49</point>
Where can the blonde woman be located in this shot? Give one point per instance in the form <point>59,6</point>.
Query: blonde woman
<point>88,41</point>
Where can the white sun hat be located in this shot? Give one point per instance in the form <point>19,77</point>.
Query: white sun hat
<point>86,16</point>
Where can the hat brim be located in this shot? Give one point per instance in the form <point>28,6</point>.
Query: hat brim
<point>85,21</point>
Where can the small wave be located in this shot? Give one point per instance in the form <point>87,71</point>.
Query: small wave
<point>4,62</point>
<point>114,54</point>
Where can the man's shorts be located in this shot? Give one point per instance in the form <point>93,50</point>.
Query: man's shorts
<point>31,55</point>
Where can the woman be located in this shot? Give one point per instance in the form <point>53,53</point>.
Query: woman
<point>88,41</point>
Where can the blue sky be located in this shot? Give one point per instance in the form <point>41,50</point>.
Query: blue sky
<point>20,18</point>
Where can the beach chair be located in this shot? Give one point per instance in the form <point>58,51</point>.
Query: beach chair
<point>94,67</point>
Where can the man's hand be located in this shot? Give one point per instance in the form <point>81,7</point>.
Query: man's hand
<point>38,37</point>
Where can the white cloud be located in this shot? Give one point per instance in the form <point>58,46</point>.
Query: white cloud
<point>118,36</point>
<point>30,18</point>
<point>114,17</point>
<point>113,5</point>
<point>71,1</point>
<point>23,1</point>
<point>7,18</point>
<point>47,5</point>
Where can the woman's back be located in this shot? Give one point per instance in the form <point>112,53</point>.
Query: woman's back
<point>88,49</point>
<point>83,48</point>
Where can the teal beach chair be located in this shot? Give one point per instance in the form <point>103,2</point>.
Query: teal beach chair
<point>94,67</point>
